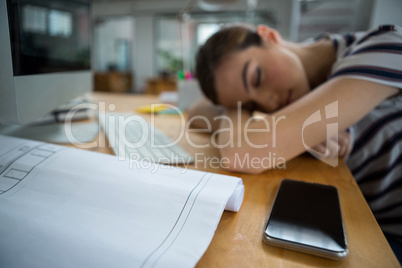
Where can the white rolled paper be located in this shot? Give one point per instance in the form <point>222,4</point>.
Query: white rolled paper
<point>236,199</point>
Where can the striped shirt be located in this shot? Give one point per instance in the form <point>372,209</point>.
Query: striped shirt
<point>376,159</point>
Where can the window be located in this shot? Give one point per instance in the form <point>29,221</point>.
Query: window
<point>41,20</point>
<point>60,23</point>
<point>34,19</point>
<point>205,30</point>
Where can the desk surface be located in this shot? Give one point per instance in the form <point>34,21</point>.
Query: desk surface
<point>238,238</point>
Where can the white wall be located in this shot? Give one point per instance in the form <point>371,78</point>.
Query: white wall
<point>386,12</point>
<point>144,51</point>
<point>105,34</point>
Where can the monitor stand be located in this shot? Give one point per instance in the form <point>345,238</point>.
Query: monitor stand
<point>51,127</point>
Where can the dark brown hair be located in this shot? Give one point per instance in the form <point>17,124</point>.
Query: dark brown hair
<point>216,48</point>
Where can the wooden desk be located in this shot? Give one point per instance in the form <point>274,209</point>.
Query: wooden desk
<point>238,238</point>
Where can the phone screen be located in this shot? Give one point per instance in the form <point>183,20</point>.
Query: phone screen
<point>307,217</point>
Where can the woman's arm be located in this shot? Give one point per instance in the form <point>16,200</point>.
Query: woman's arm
<point>204,115</point>
<point>246,142</point>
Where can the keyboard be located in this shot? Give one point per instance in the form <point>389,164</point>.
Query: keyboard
<point>132,137</point>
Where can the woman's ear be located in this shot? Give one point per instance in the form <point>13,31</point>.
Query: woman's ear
<point>269,34</point>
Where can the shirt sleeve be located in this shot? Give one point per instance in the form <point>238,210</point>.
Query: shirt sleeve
<point>374,56</point>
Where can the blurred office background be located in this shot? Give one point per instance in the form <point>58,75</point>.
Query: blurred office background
<point>142,45</point>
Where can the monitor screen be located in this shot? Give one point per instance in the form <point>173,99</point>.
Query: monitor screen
<point>49,36</point>
<point>45,56</point>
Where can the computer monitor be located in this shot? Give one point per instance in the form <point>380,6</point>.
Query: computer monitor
<point>44,56</point>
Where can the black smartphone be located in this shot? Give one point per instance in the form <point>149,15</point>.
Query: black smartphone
<point>307,217</point>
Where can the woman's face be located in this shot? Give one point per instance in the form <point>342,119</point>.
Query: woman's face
<point>261,78</point>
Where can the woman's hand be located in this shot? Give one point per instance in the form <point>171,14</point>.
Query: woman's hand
<point>340,146</point>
